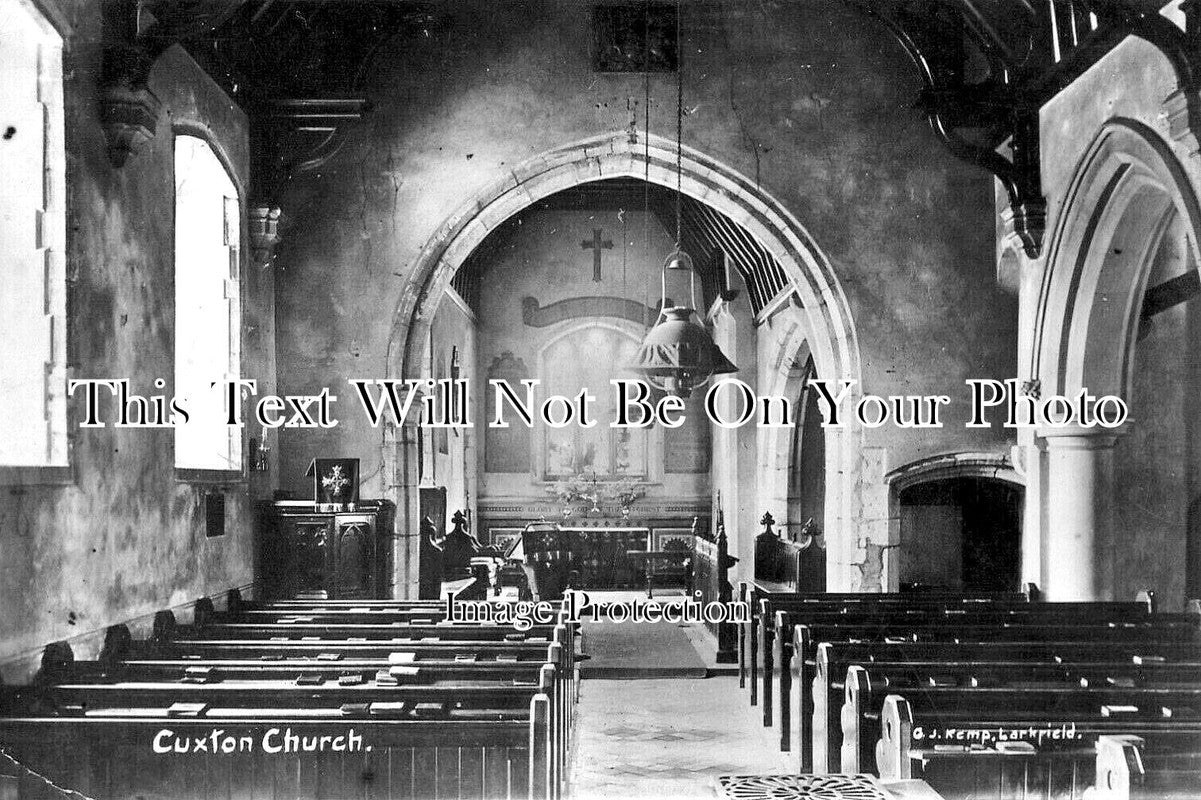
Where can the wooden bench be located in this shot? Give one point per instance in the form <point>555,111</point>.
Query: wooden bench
<point>409,758</point>
<point>477,711</point>
<point>936,628</point>
<point>865,689</point>
<point>459,631</point>
<point>756,593</point>
<point>1129,769</point>
<point>801,657</point>
<point>214,670</point>
<point>918,664</point>
<point>947,746</point>
<point>776,618</point>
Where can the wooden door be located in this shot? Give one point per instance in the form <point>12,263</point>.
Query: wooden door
<point>354,558</point>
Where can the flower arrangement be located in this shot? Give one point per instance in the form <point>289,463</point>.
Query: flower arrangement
<point>590,489</point>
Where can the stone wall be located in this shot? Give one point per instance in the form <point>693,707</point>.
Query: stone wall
<point>810,101</point>
<point>125,538</point>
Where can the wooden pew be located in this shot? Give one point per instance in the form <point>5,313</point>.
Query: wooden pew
<point>330,638</point>
<point>114,758</point>
<point>753,592</point>
<point>280,648</point>
<point>764,598</point>
<point>864,688</point>
<point>334,615</point>
<point>213,670</point>
<point>956,748</point>
<point>776,619</point>
<point>494,724</point>
<point>802,656</point>
<point>939,625</point>
<point>1127,769</point>
<point>559,651</point>
<point>369,631</point>
<point>910,663</point>
<point>287,605</point>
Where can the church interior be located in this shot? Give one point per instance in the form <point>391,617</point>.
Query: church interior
<point>885,200</point>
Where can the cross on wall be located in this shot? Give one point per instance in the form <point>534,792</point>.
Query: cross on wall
<point>596,244</point>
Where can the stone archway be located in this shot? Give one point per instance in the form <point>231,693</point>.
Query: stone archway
<point>1126,192</point>
<point>832,335</point>
<point>947,468</point>
<point>1126,189</point>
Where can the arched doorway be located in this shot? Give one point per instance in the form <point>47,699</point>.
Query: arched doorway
<point>961,533</point>
<point>957,523</point>
<point>802,267</point>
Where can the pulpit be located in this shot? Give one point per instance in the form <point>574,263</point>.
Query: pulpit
<point>326,554</point>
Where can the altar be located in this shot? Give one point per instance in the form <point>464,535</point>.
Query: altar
<point>583,557</point>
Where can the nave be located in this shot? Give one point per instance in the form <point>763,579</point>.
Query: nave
<point>911,696</point>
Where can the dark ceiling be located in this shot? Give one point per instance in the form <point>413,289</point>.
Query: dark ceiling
<point>987,66</point>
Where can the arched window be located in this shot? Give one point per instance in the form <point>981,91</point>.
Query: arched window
<point>33,430</point>
<point>573,362</point>
<point>807,471</point>
<point>207,237</point>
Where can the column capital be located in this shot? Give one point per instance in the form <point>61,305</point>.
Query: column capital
<point>1078,437</point>
<point>265,222</point>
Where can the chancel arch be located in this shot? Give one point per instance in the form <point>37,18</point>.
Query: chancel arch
<point>799,268</point>
<point>1114,318</point>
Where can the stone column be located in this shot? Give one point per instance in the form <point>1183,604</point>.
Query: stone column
<point>1077,547</point>
<point>1029,462</point>
<point>401,468</point>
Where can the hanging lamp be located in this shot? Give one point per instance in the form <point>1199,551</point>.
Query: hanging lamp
<point>677,355</point>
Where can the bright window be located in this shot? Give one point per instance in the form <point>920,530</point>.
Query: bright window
<point>33,429</point>
<point>207,314</point>
<point>571,364</point>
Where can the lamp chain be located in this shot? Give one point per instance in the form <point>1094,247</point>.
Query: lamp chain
<point>646,161</point>
<point>679,129</point>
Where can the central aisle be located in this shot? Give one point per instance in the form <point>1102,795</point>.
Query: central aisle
<point>650,725</point>
<point>667,738</point>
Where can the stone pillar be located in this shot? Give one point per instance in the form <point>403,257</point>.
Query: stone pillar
<point>1077,546</point>
<point>1029,462</point>
<point>401,459</point>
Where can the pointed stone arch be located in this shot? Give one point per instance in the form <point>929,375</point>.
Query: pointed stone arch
<point>1128,189</point>
<point>832,340</point>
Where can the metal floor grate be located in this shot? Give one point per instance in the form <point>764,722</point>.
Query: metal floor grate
<point>799,787</point>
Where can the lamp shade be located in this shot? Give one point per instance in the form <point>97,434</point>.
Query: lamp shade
<point>677,354</point>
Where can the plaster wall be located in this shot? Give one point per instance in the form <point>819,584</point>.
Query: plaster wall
<point>543,259</point>
<point>819,116</point>
<point>124,538</point>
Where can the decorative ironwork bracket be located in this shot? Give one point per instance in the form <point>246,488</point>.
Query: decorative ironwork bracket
<point>953,107</point>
